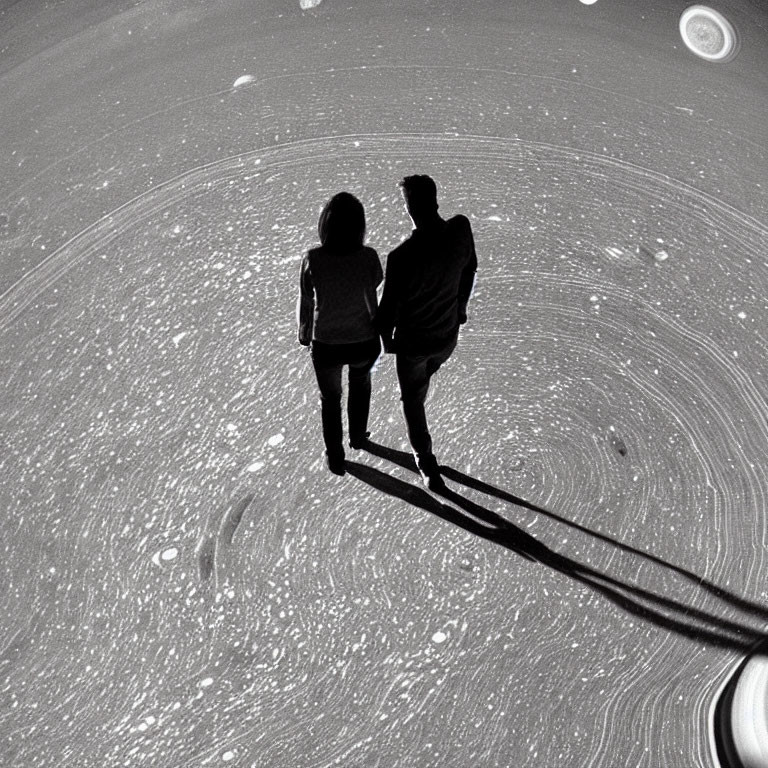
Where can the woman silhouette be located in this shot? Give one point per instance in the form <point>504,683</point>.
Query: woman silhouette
<point>336,307</point>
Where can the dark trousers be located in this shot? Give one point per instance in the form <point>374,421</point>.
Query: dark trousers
<point>414,373</point>
<point>328,361</point>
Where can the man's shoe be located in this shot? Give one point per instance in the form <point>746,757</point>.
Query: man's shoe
<point>430,472</point>
<point>433,480</point>
<point>336,464</point>
<point>359,442</point>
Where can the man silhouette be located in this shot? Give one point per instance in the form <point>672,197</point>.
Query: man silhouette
<point>428,282</point>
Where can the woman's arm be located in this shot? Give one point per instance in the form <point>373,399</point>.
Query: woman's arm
<point>379,272</point>
<point>389,306</point>
<point>305,306</point>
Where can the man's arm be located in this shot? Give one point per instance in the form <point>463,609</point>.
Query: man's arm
<point>305,306</point>
<point>468,274</point>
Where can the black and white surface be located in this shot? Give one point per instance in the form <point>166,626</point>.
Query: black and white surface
<point>182,582</point>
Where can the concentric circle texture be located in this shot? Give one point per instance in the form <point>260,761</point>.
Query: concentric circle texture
<point>219,597</point>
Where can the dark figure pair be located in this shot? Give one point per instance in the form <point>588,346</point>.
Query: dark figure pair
<point>429,280</point>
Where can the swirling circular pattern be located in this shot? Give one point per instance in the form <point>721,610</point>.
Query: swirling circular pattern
<point>219,598</point>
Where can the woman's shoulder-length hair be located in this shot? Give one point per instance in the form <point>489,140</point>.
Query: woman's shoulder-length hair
<point>342,222</point>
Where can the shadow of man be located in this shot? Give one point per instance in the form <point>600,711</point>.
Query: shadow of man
<point>664,612</point>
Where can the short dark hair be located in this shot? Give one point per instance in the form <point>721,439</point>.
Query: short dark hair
<point>420,191</point>
<point>342,222</point>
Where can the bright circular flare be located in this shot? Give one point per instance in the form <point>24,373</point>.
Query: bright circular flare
<point>588,2</point>
<point>749,717</point>
<point>707,33</point>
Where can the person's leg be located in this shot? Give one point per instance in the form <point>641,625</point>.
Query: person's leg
<point>414,374</point>
<point>359,398</point>
<point>328,373</point>
<point>414,386</point>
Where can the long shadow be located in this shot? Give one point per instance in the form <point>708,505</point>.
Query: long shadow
<point>682,619</point>
<point>407,461</point>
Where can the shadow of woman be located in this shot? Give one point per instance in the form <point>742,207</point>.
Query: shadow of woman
<point>664,612</point>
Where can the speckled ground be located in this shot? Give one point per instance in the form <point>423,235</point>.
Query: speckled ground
<point>184,583</point>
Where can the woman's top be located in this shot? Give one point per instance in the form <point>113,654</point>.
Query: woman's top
<point>337,300</point>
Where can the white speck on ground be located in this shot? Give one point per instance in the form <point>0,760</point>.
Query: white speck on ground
<point>243,80</point>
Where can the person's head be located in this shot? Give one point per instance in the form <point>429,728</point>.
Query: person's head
<point>420,194</point>
<point>342,222</point>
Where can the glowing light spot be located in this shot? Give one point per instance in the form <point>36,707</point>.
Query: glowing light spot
<point>708,34</point>
<point>439,637</point>
<point>588,2</point>
<point>307,4</point>
<point>749,723</point>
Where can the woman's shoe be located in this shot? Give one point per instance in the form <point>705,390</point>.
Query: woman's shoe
<point>336,464</point>
<point>358,442</point>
